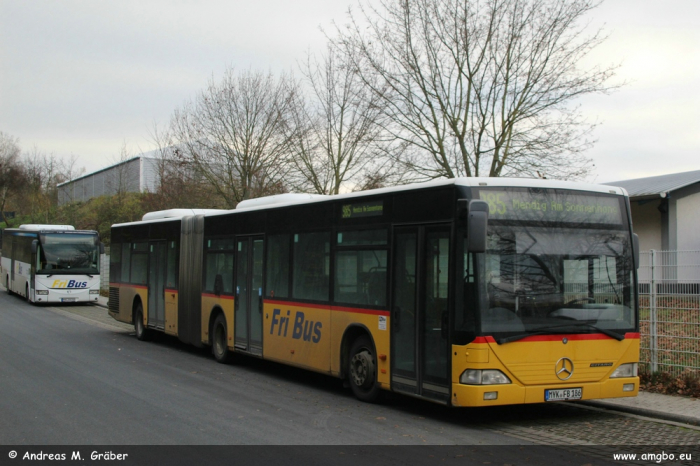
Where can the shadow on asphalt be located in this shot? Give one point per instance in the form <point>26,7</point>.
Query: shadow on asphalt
<point>314,381</point>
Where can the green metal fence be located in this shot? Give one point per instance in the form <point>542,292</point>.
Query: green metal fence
<point>669,298</point>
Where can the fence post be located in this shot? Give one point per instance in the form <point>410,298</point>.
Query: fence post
<point>653,343</point>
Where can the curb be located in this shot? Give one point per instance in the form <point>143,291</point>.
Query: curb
<point>680,418</point>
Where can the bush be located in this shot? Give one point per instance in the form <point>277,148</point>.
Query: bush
<point>687,383</point>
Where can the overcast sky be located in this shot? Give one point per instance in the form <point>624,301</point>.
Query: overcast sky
<point>83,77</point>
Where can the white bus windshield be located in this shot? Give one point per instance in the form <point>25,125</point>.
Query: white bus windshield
<point>69,253</point>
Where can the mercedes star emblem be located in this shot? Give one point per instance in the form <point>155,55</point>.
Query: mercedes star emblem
<point>564,368</point>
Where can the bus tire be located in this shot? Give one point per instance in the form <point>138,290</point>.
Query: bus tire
<point>362,370</point>
<point>142,333</point>
<point>26,288</point>
<point>219,341</point>
<point>7,284</point>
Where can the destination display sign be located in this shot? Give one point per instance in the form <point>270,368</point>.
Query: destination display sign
<point>549,205</point>
<point>365,209</point>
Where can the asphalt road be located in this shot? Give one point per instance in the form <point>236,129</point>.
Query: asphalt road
<point>73,376</point>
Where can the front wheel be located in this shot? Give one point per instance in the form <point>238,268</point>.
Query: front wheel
<point>219,344</point>
<point>142,333</point>
<point>362,370</point>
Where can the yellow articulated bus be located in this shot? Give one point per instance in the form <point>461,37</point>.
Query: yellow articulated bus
<point>466,292</point>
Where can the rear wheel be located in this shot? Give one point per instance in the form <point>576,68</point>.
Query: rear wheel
<point>219,344</point>
<point>362,370</point>
<point>142,333</point>
<point>7,285</point>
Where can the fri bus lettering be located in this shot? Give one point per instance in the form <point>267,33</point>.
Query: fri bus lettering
<point>68,284</point>
<point>302,328</point>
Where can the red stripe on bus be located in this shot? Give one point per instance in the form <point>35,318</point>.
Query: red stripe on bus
<point>355,310</point>
<point>128,285</point>
<point>143,287</point>
<point>212,295</point>
<point>571,337</point>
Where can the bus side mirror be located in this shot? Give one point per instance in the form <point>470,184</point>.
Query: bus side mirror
<point>635,249</point>
<point>102,248</point>
<point>477,225</point>
<point>35,245</point>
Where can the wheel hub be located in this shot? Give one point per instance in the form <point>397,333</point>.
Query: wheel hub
<point>360,368</point>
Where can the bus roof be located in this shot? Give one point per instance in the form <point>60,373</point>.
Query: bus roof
<point>178,213</point>
<point>38,227</point>
<point>281,200</point>
<point>290,199</point>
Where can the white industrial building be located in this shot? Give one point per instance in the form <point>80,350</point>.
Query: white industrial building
<point>139,174</point>
<point>666,210</point>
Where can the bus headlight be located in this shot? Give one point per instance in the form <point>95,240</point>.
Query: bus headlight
<point>483,377</point>
<point>625,370</point>
<point>45,292</point>
<point>94,291</point>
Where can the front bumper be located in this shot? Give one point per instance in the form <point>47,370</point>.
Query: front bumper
<point>510,394</point>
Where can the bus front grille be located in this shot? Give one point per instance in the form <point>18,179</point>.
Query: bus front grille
<point>113,304</point>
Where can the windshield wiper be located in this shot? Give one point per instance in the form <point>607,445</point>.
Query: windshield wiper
<point>557,328</point>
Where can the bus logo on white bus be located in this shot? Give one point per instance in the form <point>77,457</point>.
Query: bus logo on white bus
<point>302,328</point>
<point>68,284</point>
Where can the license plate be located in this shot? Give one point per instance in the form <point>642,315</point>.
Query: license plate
<point>563,394</point>
<point>68,300</point>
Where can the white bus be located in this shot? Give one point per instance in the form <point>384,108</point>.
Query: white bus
<point>52,263</point>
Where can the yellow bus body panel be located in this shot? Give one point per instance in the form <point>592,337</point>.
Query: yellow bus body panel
<point>530,365</point>
<point>297,334</point>
<point>378,327</point>
<point>310,336</point>
<point>127,295</point>
<point>225,303</point>
<point>171,312</point>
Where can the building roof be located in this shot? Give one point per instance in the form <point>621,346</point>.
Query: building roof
<point>657,186</point>
<point>102,170</point>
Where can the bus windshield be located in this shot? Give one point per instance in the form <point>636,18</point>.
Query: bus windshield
<point>554,271</point>
<point>69,253</point>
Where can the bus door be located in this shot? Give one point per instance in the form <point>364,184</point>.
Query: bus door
<point>419,328</point>
<point>248,301</point>
<point>157,259</point>
<point>11,284</point>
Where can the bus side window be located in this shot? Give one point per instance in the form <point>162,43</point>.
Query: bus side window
<point>218,274</point>
<point>115,262</point>
<point>278,266</point>
<point>311,266</point>
<point>126,262</point>
<point>173,253</point>
<point>139,263</point>
<point>360,277</point>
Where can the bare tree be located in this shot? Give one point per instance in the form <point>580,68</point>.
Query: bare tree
<point>11,172</point>
<point>42,174</point>
<point>336,139</point>
<point>123,175</point>
<point>481,88</point>
<point>233,134</point>
<point>179,184</point>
